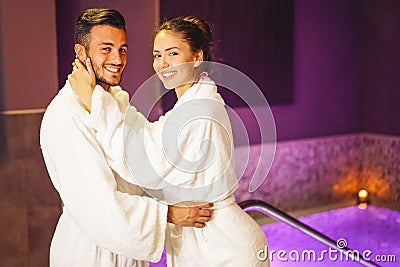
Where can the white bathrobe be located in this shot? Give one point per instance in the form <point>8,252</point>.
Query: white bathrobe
<point>231,238</point>
<point>105,221</point>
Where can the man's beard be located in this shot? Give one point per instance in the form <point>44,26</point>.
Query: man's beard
<point>102,79</point>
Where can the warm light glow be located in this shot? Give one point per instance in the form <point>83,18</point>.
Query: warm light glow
<point>363,206</point>
<point>362,199</point>
<point>363,194</point>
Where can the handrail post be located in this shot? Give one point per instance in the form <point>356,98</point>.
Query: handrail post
<point>280,215</point>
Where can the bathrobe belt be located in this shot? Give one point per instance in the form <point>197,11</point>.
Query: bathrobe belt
<point>224,203</point>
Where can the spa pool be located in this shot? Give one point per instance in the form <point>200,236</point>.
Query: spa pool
<point>373,232</point>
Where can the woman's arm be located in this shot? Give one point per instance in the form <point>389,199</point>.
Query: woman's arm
<point>191,147</point>
<point>168,153</point>
<point>83,77</point>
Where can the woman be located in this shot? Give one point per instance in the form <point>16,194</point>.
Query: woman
<point>199,166</point>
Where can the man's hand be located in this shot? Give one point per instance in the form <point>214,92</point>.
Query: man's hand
<point>83,80</point>
<point>194,215</point>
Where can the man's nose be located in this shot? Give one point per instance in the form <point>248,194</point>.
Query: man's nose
<point>116,57</point>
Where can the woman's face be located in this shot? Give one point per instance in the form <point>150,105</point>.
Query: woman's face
<point>174,61</point>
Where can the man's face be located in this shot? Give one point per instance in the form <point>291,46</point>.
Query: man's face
<point>107,51</point>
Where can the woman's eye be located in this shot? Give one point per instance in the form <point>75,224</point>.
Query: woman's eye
<point>156,55</point>
<point>173,53</point>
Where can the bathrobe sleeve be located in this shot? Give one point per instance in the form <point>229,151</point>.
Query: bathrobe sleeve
<point>127,224</point>
<point>175,152</point>
<point>109,123</point>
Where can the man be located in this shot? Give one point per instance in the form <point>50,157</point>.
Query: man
<point>106,221</point>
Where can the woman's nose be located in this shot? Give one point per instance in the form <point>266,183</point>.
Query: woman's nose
<point>163,63</point>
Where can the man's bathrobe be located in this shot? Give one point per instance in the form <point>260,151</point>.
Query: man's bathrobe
<point>188,155</point>
<point>105,220</point>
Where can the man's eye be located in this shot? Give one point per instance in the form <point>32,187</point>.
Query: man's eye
<point>123,50</point>
<point>107,49</point>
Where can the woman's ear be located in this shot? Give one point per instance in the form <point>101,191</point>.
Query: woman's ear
<point>198,58</point>
<point>80,52</point>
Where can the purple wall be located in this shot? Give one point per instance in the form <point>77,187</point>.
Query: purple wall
<point>347,66</point>
<point>346,62</point>
<point>381,67</point>
<point>327,71</point>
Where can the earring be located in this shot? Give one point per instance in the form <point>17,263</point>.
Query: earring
<point>203,75</point>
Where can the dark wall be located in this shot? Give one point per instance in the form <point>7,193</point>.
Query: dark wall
<point>66,14</point>
<point>256,39</point>
<point>381,67</point>
<point>3,143</point>
<point>29,59</point>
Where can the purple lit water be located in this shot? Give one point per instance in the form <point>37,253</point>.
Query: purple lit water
<point>373,231</point>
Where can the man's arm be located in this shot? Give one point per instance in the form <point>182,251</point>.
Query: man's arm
<point>87,187</point>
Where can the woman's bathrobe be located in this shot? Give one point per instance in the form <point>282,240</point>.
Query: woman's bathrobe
<point>188,155</point>
<point>105,220</point>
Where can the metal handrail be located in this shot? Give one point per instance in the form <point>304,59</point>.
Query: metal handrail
<point>279,215</point>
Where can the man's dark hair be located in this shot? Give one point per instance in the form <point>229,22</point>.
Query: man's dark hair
<point>94,17</point>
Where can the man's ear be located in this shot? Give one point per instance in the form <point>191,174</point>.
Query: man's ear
<point>198,58</point>
<point>80,52</point>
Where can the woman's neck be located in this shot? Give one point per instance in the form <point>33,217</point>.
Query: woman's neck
<point>180,90</point>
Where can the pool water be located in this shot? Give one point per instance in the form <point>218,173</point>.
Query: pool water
<point>373,232</point>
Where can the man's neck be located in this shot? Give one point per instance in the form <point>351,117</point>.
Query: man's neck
<point>106,87</point>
